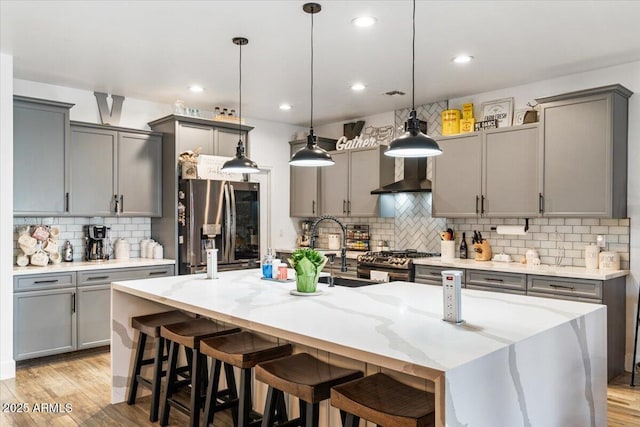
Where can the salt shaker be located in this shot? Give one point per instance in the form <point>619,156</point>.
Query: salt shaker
<point>68,251</point>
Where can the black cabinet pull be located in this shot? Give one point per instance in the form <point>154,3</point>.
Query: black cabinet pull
<point>433,273</point>
<point>313,207</point>
<point>540,203</point>
<point>66,202</point>
<point>482,204</point>
<point>344,206</point>
<point>116,203</point>
<point>156,273</point>
<point>349,207</point>
<point>491,279</point>
<point>98,278</point>
<point>571,288</point>
<point>477,200</point>
<point>37,282</point>
<point>73,302</point>
<point>121,203</point>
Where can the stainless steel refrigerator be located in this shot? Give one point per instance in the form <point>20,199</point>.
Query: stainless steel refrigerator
<point>218,214</point>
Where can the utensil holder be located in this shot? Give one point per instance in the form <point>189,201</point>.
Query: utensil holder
<point>482,250</point>
<point>447,250</point>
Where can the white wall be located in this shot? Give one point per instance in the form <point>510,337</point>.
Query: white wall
<point>7,365</point>
<point>629,76</point>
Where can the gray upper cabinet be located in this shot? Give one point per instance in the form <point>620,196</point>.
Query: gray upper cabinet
<point>304,188</point>
<point>114,171</point>
<point>457,177</point>
<point>492,173</point>
<point>41,137</point>
<point>584,134</point>
<point>140,174</point>
<point>510,168</point>
<point>345,188</point>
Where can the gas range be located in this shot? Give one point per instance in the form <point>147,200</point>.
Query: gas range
<point>398,264</point>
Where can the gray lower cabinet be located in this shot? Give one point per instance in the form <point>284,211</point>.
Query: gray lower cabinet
<point>41,138</point>
<point>62,312</point>
<point>44,315</point>
<point>114,171</point>
<point>430,275</point>
<point>496,281</point>
<point>584,137</point>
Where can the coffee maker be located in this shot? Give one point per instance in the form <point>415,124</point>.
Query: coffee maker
<point>97,243</point>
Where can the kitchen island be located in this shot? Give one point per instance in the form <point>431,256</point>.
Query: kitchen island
<point>516,361</point>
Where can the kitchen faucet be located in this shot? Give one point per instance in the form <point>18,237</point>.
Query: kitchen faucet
<point>343,250</point>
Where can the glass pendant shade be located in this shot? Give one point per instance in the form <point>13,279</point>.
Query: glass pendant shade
<point>413,143</point>
<point>240,163</point>
<point>311,155</point>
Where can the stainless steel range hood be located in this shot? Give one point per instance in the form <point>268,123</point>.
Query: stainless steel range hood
<point>414,181</point>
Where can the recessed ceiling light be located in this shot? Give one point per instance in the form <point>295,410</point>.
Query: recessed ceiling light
<point>285,107</point>
<point>462,59</point>
<point>364,21</point>
<point>196,88</point>
<point>357,86</point>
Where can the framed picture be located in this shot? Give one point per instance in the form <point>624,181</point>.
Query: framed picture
<point>500,109</point>
<point>518,116</point>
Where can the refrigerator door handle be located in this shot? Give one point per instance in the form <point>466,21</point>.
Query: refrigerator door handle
<point>227,224</point>
<point>232,255</point>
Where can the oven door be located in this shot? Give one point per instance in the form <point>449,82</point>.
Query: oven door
<point>395,274</point>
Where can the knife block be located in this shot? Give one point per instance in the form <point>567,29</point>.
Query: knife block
<point>482,250</point>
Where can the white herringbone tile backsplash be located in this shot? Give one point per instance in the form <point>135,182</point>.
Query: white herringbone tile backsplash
<point>414,226</point>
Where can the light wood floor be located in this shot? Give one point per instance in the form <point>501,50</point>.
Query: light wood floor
<point>82,380</point>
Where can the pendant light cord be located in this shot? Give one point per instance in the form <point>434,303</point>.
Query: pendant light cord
<point>311,124</point>
<point>413,59</point>
<point>240,91</point>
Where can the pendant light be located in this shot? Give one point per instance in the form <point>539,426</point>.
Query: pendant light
<point>413,143</point>
<point>311,155</point>
<point>240,163</point>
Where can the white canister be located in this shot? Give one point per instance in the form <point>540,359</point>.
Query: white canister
<point>609,261</point>
<point>333,241</point>
<point>22,259</point>
<point>591,255</point>
<point>447,250</point>
<point>122,248</point>
<point>158,251</point>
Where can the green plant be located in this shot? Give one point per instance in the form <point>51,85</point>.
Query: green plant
<point>308,264</point>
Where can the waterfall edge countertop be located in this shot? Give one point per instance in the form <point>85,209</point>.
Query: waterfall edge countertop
<point>516,267</point>
<point>515,346</point>
<point>91,265</point>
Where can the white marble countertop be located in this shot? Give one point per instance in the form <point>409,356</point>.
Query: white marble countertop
<point>350,254</point>
<point>397,324</point>
<point>91,265</point>
<point>516,267</point>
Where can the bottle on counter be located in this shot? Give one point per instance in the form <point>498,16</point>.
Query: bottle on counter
<point>267,265</point>
<point>463,247</point>
<point>68,251</point>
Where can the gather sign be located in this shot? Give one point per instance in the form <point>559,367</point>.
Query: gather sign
<point>370,137</point>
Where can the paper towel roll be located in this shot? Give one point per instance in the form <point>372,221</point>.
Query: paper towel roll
<point>517,230</point>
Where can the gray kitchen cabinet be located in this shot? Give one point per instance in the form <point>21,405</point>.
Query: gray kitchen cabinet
<point>62,312</point>
<point>497,281</point>
<point>179,134</point>
<point>608,292</point>
<point>430,275</point>
<point>304,182</point>
<point>40,148</point>
<point>114,171</point>
<point>492,173</point>
<point>44,315</point>
<point>345,188</point>
<point>584,168</point>
<point>457,177</point>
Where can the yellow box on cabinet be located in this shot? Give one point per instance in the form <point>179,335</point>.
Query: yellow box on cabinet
<point>466,125</point>
<point>450,122</point>
<point>467,110</point>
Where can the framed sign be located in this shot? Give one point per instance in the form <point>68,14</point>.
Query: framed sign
<point>500,110</point>
<point>518,116</point>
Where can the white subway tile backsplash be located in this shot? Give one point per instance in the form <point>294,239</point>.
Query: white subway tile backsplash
<point>582,229</point>
<point>139,220</point>
<point>548,228</point>
<point>618,230</point>
<point>572,221</point>
<point>547,244</point>
<point>606,221</point>
<point>590,221</point>
<point>599,229</point>
<point>564,229</point>
<point>541,236</point>
<point>556,221</point>
<point>573,237</point>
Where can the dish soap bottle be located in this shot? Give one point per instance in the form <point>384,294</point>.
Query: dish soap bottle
<point>463,247</point>
<point>267,265</point>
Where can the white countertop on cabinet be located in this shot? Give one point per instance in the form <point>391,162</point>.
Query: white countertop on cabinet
<point>91,265</point>
<point>516,267</point>
<point>509,344</point>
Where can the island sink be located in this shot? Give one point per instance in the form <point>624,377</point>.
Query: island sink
<point>348,282</point>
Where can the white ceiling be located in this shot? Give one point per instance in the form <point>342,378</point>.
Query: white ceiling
<point>155,49</point>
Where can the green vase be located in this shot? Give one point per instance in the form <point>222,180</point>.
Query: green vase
<point>306,283</point>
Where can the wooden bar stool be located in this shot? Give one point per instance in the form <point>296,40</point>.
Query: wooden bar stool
<point>188,334</point>
<point>149,326</point>
<point>304,377</point>
<point>382,400</point>
<point>243,350</point>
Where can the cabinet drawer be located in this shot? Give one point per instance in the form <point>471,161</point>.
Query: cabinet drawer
<point>564,286</point>
<point>430,275</point>
<point>497,289</point>
<point>96,277</point>
<point>43,281</point>
<point>563,297</point>
<point>497,280</point>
